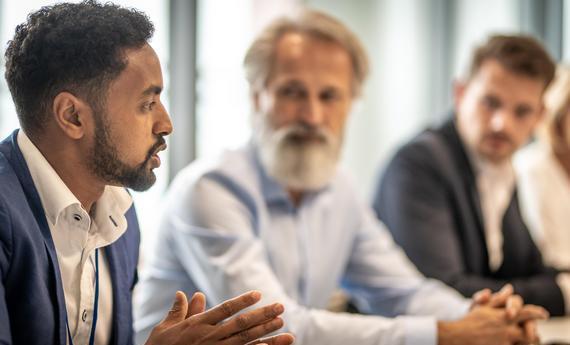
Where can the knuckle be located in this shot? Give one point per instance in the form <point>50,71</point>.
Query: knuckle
<point>244,335</point>
<point>227,309</point>
<point>242,321</point>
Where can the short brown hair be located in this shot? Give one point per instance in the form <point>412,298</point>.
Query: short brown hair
<point>519,54</point>
<point>259,58</point>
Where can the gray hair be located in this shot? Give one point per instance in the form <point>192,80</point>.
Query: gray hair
<point>259,58</point>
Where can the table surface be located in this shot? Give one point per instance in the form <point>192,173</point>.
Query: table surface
<point>556,330</point>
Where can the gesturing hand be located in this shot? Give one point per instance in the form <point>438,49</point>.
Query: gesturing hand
<point>189,323</point>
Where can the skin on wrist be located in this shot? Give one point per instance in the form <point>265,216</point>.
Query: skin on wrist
<point>447,333</point>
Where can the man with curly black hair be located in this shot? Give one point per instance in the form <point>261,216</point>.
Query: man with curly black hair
<point>87,85</point>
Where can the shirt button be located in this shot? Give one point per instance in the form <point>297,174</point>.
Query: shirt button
<point>84,315</point>
<point>77,217</point>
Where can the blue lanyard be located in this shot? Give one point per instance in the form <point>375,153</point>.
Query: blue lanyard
<point>95,305</point>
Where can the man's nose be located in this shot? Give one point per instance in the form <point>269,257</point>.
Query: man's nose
<point>500,120</point>
<point>313,112</point>
<point>163,124</point>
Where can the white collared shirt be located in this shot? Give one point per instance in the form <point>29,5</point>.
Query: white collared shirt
<point>76,235</point>
<point>496,184</point>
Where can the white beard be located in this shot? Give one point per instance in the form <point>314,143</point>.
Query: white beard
<point>294,161</point>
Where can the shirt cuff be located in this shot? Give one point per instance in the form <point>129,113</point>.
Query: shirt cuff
<point>563,281</point>
<point>420,330</point>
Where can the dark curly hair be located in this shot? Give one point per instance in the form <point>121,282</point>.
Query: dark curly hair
<point>78,48</point>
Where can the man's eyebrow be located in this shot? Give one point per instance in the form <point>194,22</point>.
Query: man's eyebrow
<point>152,90</point>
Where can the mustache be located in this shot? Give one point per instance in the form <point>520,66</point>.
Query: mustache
<point>158,146</point>
<point>499,136</point>
<point>300,133</point>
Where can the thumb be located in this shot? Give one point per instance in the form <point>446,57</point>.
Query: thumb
<point>179,309</point>
<point>197,304</point>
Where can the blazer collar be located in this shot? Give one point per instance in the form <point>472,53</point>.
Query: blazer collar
<point>21,170</point>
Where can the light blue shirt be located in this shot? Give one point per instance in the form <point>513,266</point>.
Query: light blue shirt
<point>229,228</point>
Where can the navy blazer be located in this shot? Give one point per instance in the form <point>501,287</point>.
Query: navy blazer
<point>429,201</point>
<point>32,304</point>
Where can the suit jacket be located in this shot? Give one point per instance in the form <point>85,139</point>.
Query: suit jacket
<point>428,199</point>
<point>32,304</point>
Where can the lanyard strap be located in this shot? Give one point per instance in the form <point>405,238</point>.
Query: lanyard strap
<point>95,305</point>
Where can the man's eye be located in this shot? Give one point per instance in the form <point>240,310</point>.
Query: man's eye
<point>328,96</point>
<point>292,92</point>
<point>491,102</point>
<point>148,106</point>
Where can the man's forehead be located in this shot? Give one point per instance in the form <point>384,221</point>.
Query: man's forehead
<point>142,74</point>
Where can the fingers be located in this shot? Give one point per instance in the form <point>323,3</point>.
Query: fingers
<point>531,332</point>
<point>513,306</point>
<point>481,297</point>
<point>500,298</point>
<point>515,334</point>
<point>197,304</point>
<point>251,319</point>
<point>248,335</point>
<point>179,309</point>
<point>281,339</point>
<point>531,312</point>
<point>230,307</point>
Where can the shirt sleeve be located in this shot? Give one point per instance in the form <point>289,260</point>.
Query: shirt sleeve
<point>382,280</point>
<point>216,244</point>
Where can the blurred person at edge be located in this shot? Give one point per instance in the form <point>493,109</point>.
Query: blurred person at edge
<point>544,176</point>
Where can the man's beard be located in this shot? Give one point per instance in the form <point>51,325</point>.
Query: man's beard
<point>107,165</point>
<point>298,156</point>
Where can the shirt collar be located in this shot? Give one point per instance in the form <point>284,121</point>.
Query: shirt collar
<point>272,191</point>
<point>56,196</point>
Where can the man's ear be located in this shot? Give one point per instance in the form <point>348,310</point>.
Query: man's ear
<point>459,87</point>
<point>71,114</point>
<point>255,100</point>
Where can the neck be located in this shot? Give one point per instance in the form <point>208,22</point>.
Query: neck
<point>564,159</point>
<point>66,160</point>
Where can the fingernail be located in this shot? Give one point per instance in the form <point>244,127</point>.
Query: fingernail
<point>278,308</point>
<point>256,294</point>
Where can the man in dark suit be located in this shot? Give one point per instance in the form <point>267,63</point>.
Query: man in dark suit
<point>86,85</point>
<point>449,196</point>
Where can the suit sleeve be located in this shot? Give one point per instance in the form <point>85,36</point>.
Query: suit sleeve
<point>414,200</point>
<point>5,333</point>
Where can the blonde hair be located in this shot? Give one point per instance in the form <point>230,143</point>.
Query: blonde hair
<point>259,58</point>
<point>557,103</point>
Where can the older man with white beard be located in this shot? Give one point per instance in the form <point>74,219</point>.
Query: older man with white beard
<point>279,217</point>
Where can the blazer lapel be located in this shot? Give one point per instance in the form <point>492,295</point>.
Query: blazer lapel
<point>21,169</point>
<point>121,326</point>
<point>467,173</point>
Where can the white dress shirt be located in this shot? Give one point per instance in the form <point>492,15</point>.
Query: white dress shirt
<point>496,185</point>
<point>76,235</point>
<point>228,228</point>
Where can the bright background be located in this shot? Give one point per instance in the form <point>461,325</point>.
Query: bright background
<point>416,47</point>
